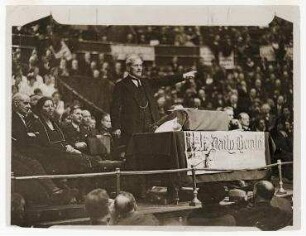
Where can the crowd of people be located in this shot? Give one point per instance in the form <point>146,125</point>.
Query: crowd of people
<point>261,209</point>
<point>241,38</point>
<point>257,95</point>
<point>43,145</point>
<point>260,88</point>
<point>258,208</point>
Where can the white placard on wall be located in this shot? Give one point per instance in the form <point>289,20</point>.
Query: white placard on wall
<point>224,150</point>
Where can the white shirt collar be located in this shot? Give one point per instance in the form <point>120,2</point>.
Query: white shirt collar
<point>75,125</point>
<point>135,80</point>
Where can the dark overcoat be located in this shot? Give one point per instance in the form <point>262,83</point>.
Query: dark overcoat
<point>125,109</point>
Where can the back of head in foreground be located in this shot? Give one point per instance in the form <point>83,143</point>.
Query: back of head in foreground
<point>263,191</point>
<point>263,215</point>
<point>97,206</point>
<point>125,212</point>
<point>211,213</point>
<point>124,204</point>
<point>211,195</point>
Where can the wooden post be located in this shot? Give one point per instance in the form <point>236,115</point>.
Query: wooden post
<point>117,180</point>
<point>195,201</point>
<point>281,189</point>
<point>176,195</point>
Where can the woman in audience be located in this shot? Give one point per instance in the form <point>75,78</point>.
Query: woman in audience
<point>60,157</point>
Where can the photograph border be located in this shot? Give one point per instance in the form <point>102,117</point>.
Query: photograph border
<point>297,106</point>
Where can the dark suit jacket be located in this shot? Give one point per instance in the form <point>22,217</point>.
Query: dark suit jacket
<point>88,131</point>
<point>20,132</point>
<point>125,111</point>
<point>72,135</point>
<point>263,216</point>
<point>45,137</point>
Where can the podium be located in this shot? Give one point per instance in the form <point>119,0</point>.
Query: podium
<point>205,142</point>
<point>164,151</point>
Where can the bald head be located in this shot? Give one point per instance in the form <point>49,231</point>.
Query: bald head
<point>244,119</point>
<point>124,203</point>
<point>21,103</point>
<point>263,191</point>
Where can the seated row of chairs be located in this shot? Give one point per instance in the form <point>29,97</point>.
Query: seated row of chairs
<point>41,145</point>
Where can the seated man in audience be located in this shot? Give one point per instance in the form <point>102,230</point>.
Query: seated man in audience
<point>244,121</point>
<point>260,125</point>
<point>97,204</point>
<point>86,127</point>
<point>263,215</point>
<point>73,133</point>
<point>23,148</point>
<point>233,124</point>
<point>211,213</point>
<point>99,143</point>
<point>20,131</point>
<point>125,212</point>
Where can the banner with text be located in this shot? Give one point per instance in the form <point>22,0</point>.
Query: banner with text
<point>224,150</point>
<point>227,62</point>
<point>120,52</point>
<point>207,55</point>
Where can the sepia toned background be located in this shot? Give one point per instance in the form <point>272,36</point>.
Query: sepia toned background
<point>200,16</point>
